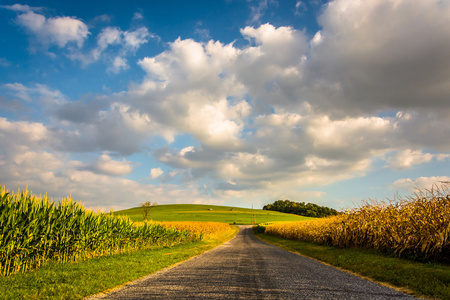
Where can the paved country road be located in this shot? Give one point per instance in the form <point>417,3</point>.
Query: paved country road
<point>247,268</point>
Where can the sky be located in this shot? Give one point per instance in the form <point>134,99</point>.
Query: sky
<point>227,102</point>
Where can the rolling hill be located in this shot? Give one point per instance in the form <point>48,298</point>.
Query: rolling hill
<point>211,213</point>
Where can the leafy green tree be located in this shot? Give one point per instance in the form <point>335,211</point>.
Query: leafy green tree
<point>300,208</point>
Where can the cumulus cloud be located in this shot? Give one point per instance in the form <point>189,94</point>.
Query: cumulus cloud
<point>21,8</point>
<point>134,39</point>
<point>119,129</point>
<point>298,142</point>
<point>106,165</point>
<point>186,89</point>
<point>196,87</point>
<point>122,43</point>
<point>23,133</point>
<point>366,136</point>
<point>408,158</point>
<point>156,172</point>
<point>118,64</point>
<point>58,31</point>
<point>358,64</point>
<point>108,36</point>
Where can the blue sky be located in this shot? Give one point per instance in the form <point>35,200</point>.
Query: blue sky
<point>224,102</point>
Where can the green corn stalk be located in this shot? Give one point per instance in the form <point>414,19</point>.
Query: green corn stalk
<point>34,230</point>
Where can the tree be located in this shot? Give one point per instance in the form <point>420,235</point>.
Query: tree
<point>300,208</point>
<point>146,208</point>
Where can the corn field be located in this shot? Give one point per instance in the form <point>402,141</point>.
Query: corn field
<point>35,230</point>
<point>202,228</point>
<point>416,227</point>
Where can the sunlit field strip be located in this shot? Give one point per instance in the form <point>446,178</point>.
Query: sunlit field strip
<point>196,227</point>
<point>205,228</point>
<point>416,227</point>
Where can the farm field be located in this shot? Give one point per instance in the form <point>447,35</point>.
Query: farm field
<point>199,212</point>
<point>416,227</point>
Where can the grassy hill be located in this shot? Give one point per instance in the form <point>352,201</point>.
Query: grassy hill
<point>211,213</point>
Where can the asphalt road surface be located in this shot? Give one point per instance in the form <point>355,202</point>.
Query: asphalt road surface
<point>247,268</point>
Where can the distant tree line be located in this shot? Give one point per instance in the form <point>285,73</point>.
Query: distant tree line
<point>300,208</point>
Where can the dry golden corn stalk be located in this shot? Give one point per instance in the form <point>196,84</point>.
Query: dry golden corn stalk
<point>417,227</point>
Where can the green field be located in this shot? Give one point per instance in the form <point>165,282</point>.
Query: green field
<point>199,212</point>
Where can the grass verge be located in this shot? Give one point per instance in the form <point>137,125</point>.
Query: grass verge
<point>422,279</point>
<point>79,280</point>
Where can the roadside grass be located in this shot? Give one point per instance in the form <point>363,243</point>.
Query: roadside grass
<point>96,275</point>
<point>422,279</point>
<point>199,212</point>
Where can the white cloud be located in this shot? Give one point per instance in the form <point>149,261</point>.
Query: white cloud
<point>108,36</point>
<point>156,172</point>
<point>23,133</point>
<point>59,31</point>
<point>186,89</point>
<point>134,39</point>
<point>284,45</point>
<point>350,137</point>
<point>21,8</point>
<point>101,126</point>
<point>114,41</point>
<point>118,64</point>
<point>216,125</point>
<point>106,165</point>
<point>408,158</point>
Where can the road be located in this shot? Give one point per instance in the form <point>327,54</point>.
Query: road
<point>247,268</point>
